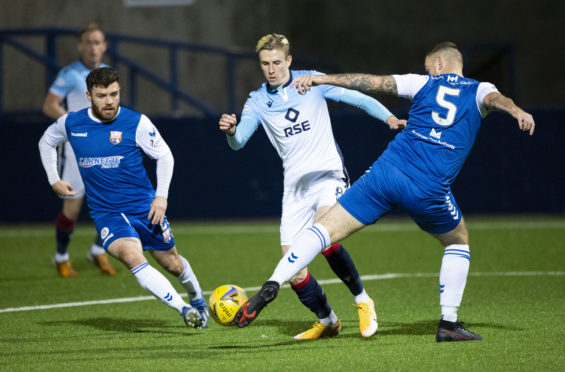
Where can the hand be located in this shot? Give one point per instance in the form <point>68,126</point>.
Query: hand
<point>157,211</point>
<point>63,188</point>
<point>394,123</point>
<point>228,123</point>
<point>526,122</point>
<point>304,83</point>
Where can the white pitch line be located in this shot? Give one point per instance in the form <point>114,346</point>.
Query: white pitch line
<point>250,289</point>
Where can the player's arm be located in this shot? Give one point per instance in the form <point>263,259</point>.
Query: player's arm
<point>52,106</point>
<point>150,141</point>
<point>362,82</point>
<point>372,107</point>
<point>237,135</point>
<point>52,137</point>
<point>497,101</point>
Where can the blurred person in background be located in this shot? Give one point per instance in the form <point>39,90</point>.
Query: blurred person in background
<point>69,88</point>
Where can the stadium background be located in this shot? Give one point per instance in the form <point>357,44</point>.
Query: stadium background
<point>518,49</point>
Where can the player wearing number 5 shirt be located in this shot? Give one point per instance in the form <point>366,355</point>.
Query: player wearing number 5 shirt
<point>414,172</point>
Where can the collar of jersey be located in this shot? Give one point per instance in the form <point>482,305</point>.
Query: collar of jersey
<point>94,118</point>
<point>272,90</point>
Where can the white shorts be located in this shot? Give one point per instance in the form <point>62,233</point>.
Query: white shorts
<point>68,169</point>
<point>300,206</point>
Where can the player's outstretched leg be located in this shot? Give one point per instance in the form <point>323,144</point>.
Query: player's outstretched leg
<point>313,297</point>
<point>97,256</point>
<point>454,331</point>
<point>251,309</point>
<point>342,265</point>
<point>153,281</point>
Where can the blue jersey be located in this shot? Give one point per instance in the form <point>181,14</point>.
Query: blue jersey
<point>110,162</point>
<point>443,123</point>
<point>70,84</point>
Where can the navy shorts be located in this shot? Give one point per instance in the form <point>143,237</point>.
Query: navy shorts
<point>384,187</point>
<point>112,226</point>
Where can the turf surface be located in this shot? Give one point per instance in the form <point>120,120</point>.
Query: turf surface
<point>515,298</point>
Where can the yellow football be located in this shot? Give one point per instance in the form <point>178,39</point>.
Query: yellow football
<point>224,303</point>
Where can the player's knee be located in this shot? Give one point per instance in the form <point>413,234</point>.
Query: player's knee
<point>300,277</point>
<point>175,265</point>
<point>71,208</point>
<point>170,261</point>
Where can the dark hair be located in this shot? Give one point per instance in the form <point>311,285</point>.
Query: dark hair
<point>102,77</point>
<point>442,46</point>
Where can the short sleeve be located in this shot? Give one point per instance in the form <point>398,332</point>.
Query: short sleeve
<point>63,83</point>
<point>409,85</point>
<point>484,90</point>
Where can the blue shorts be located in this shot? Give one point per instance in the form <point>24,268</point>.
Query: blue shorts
<point>112,226</point>
<point>384,187</point>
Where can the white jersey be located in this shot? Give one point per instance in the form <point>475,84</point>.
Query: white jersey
<point>299,128</point>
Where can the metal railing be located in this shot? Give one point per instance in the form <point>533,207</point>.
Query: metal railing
<point>48,59</point>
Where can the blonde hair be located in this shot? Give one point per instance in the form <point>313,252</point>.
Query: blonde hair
<point>273,41</point>
<point>91,27</point>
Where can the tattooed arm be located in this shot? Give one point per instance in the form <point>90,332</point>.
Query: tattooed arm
<point>362,82</point>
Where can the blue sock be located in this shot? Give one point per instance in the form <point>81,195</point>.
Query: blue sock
<point>313,297</point>
<point>342,265</point>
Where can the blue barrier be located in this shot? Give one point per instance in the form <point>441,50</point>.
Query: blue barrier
<point>507,171</point>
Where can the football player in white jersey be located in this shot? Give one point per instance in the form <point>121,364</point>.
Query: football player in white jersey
<point>109,142</point>
<point>70,86</point>
<point>415,172</point>
<point>299,128</point>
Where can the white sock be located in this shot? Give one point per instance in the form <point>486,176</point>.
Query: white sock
<point>61,257</point>
<point>452,279</point>
<point>305,248</point>
<point>95,249</point>
<point>330,320</point>
<point>153,281</point>
<point>362,297</point>
<point>189,281</point>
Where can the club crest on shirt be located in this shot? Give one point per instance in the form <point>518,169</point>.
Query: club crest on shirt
<point>115,137</point>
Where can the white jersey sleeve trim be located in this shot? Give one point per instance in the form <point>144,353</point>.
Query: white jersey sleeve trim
<point>52,137</point>
<point>409,85</point>
<point>150,141</point>
<point>484,90</point>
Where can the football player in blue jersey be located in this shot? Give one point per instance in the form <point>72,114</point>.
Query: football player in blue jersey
<point>299,128</point>
<point>70,86</point>
<point>108,143</point>
<point>414,172</point>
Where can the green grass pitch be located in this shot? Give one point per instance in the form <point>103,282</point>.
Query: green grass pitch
<point>515,298</point>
